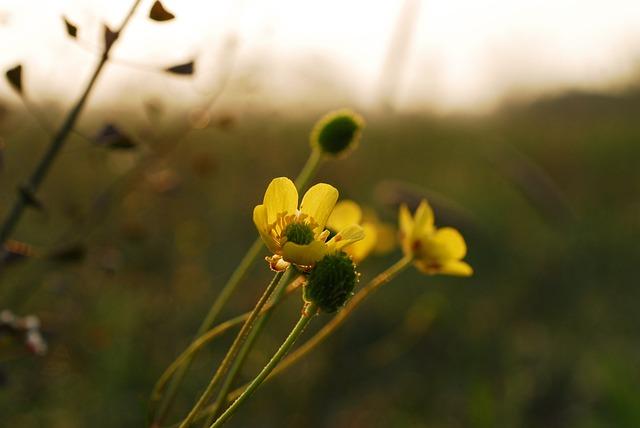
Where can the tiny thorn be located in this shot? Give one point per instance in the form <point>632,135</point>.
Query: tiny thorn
<point>72,30</point>
<point>109,37</point>
<point>159,13</point>
<point>183,69</point>
<point>14,76</point>
<point>29,197</point>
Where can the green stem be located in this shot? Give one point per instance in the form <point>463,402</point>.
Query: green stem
<point>212,315</point>
<point>27,192</point>
<point>307,314</point>
<point>244,352</point>
<point>336,321</point>
<point>233,350</point>
<point>208,336</point>
<point>308,171</point>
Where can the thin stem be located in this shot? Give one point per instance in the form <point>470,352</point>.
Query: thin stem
<point>336,321</point>
<point>222,298</point>
<point>233,350</point>
<point>307,314</point>
<point>242,355</point>
<point>218,330</point>
<point>308,170</point>
<point>27,192</point>
<point>306,173</point>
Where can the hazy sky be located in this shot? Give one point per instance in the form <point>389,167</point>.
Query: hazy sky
<point>447,55</point>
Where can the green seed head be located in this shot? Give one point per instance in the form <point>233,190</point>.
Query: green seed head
<point>299,233</point>
<point>337,133</point>
<point>331,282</point>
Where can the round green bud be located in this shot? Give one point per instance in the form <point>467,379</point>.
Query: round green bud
<point>299,233</point>
<point>337,133</point>
<point>331,282</point>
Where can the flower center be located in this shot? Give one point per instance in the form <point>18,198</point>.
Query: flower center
<point>299,233</point>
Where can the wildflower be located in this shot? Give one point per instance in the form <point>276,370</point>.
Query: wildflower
<point>386,233</point>
<point>331,281</point>
<point>337,133</point>
<point>347,213</point>
<point>295,235</point>
<point>436,251</point>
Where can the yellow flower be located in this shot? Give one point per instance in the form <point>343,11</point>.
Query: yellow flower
<point>386,234</point>
<point>347,213</point>
<point>434,250</point>
<point>295,235</point>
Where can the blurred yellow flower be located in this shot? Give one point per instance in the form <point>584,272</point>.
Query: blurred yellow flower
<point>347,213</point>
<point>295,235</point>
<point>436,251</point>
<point>386,234</point>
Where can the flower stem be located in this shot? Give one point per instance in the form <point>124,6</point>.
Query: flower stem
<point>307,314</point>
<point>336,321</point>
<point>233,350</point>
<point>208,336</point>
<point>158,414</point>
<point>27,192</point>
<point>308,170</point>
<point>214,311</point>
<point>243,353</point>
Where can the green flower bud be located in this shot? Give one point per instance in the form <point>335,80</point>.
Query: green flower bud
<point>337,133</point>
<point>331,282</point>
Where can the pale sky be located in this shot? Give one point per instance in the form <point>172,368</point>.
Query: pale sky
<point>453,55</point>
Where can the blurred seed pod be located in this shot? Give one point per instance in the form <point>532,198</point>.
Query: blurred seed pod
<point>337,133</point>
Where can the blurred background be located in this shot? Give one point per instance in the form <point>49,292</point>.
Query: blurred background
<point>518,120</point>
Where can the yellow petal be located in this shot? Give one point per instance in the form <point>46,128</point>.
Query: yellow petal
<point>345,237</point>
<point>405,221</point>
<point>303,255</point>
<point>260,220</point>
<point>281,197</point>
<point>386,238</point>
<point>423,219</point>
<point>456,268</point>
<point>318,203</point>
<point>360,250</point>
<point>344,214</point>
<point>406,229</point>
<point>260,217</point>
<point>451,242</point>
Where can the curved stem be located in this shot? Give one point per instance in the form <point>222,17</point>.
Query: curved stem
<point>233,350</point>
<point>308,170</point>
<point>208,336</point>
<point>307,314</point>
<point>214,311</point>
<point>306,173</point>
<point>242,355</point>
<point>336,321</point>
<point>26,193</point>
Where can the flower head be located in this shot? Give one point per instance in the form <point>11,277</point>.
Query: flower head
<point>337,133</point>
<point>331,281</point>
<point>347,213</point>
<point>297,235</point>
<point>436,251</point>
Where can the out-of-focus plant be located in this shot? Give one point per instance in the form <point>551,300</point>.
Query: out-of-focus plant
<point>335,135</point>
<point>315,246</point>
<point>27,192</point>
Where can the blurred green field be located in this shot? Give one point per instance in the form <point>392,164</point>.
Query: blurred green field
<point>545,334</point>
